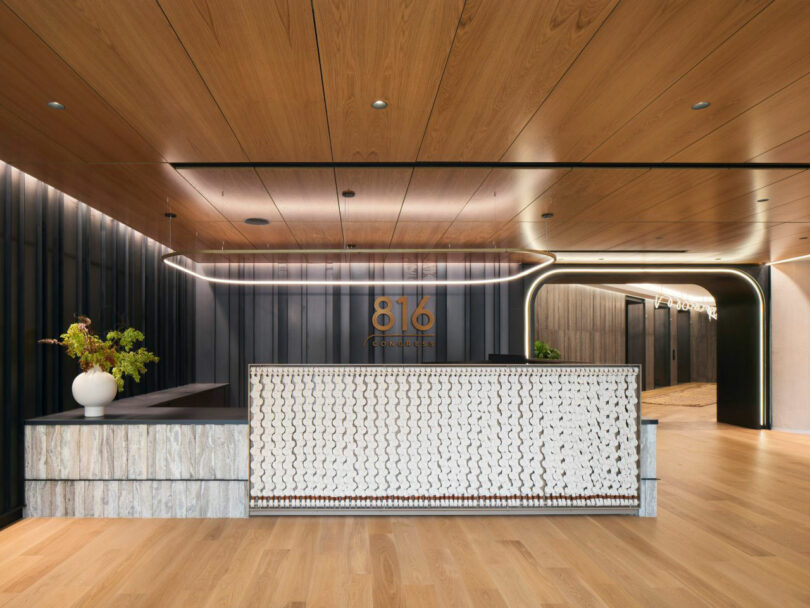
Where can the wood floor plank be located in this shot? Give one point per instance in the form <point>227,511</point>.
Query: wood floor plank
<point>733,530</point>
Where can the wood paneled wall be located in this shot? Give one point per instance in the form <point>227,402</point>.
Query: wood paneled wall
<point>703,344</point>
<point>60,258</point>
<point>586,324</point>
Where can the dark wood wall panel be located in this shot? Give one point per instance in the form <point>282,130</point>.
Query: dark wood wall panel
<point>237,326</point>
<point>60,258</point>
<point>703,345</point>
<point>585,323</point>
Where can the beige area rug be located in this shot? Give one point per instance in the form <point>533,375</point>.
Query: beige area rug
<point>690,395</point>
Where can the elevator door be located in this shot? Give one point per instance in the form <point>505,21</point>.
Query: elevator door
<point>684,347</point>
<point>662,349</point>
<point>634,335</point>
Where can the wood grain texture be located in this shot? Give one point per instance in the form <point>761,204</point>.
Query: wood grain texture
<point>493,83</point>
<point>154,85</point>
<point>614,77</point>
<point>378,50</point>
<point>259,60</point>
<point>732,530</point>
<point>586,324</point>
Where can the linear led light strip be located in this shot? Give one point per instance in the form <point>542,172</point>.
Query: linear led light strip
<point>527,317</point>
<point>548,257</point>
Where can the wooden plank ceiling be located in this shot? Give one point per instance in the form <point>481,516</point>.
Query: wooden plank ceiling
<point>148,83</point>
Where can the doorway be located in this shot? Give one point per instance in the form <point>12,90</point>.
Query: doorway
<point>635,348</point>
<point>684,346</point>
<point>663,368</point>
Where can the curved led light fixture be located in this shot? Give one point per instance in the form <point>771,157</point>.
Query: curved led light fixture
<point>544,258</point>
<point>527,306</point>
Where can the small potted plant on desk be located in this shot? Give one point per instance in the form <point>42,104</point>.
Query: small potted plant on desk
<point>104,363</point>
<point>544,351</point>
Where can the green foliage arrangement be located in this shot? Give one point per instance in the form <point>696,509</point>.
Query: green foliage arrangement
<point>544,350</point>
<point>117,354</point>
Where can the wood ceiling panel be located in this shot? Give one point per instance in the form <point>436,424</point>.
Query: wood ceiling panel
<point>665,193</point>
<point>418,234</point>
<point>506,192</point>
<point>21,142</point>
<point>379,193</point>
<point>757,62</point>
<point>218,235</point>
<point>132,58</point>
<point>468,234</point>
<point>237,193</point>
<point>641,49</point>
<point>382,50</point>
<point>368,234</point>
<point>793,148</point>
<point>724,185</point>
<point>506,58</point>
<point>439,194</point>
<point>745,207</point>
<point>275,235</point>
<point>576,191</point>
<point>794,211</point>
<point>767,126</point>
<point>303,194</point>
<point>259,58</point>
<point>88,126</point>
<point>317,235</point>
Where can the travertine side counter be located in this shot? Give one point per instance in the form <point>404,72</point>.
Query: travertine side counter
<point>138,462</point>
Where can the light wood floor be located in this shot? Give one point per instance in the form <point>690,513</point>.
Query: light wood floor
<point>733,529</point>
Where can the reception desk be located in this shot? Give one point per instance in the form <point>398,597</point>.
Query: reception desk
<point>430,439</point>
<point>447,439</point>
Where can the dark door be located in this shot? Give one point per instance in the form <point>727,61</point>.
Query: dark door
<point>634,335</point>
<point>662,364</point>
<point>684,347</point>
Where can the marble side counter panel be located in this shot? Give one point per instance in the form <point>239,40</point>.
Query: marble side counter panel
<point>136,470</point>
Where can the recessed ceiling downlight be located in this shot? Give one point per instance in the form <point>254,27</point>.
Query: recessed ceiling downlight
<point>55,105</point>
<point>763,200</point>
<point>379,104</point>
<point>257,221</point>
<point>701,105</point>
<point>347,194</point>
<point>170,215</point>
<point>547,216</point>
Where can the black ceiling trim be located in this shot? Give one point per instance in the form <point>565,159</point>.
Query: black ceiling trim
<point>489,165</point>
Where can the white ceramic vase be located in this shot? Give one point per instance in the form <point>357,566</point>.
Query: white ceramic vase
<point>94,389</point>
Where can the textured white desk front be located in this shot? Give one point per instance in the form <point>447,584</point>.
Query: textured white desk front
<point>449,438</point>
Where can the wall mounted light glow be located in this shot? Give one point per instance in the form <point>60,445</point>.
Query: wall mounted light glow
<point>538,282</point>
<point>543,259</point>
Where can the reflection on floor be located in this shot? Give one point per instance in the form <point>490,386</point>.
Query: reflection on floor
<point>733,529</point>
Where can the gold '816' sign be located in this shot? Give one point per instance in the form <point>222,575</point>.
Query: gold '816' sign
<point>383,319</point>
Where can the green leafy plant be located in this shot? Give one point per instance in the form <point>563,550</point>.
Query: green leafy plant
<point>544,350</point>
<point>116,354</point>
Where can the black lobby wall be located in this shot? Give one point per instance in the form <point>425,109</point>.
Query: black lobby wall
<point>59,258</point>
<point>237,325</point>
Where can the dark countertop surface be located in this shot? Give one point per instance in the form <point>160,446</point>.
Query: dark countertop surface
<point>150,415</point>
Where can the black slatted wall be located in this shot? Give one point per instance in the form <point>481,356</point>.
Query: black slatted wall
<point>60,258</point>
<point>237,326</point>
